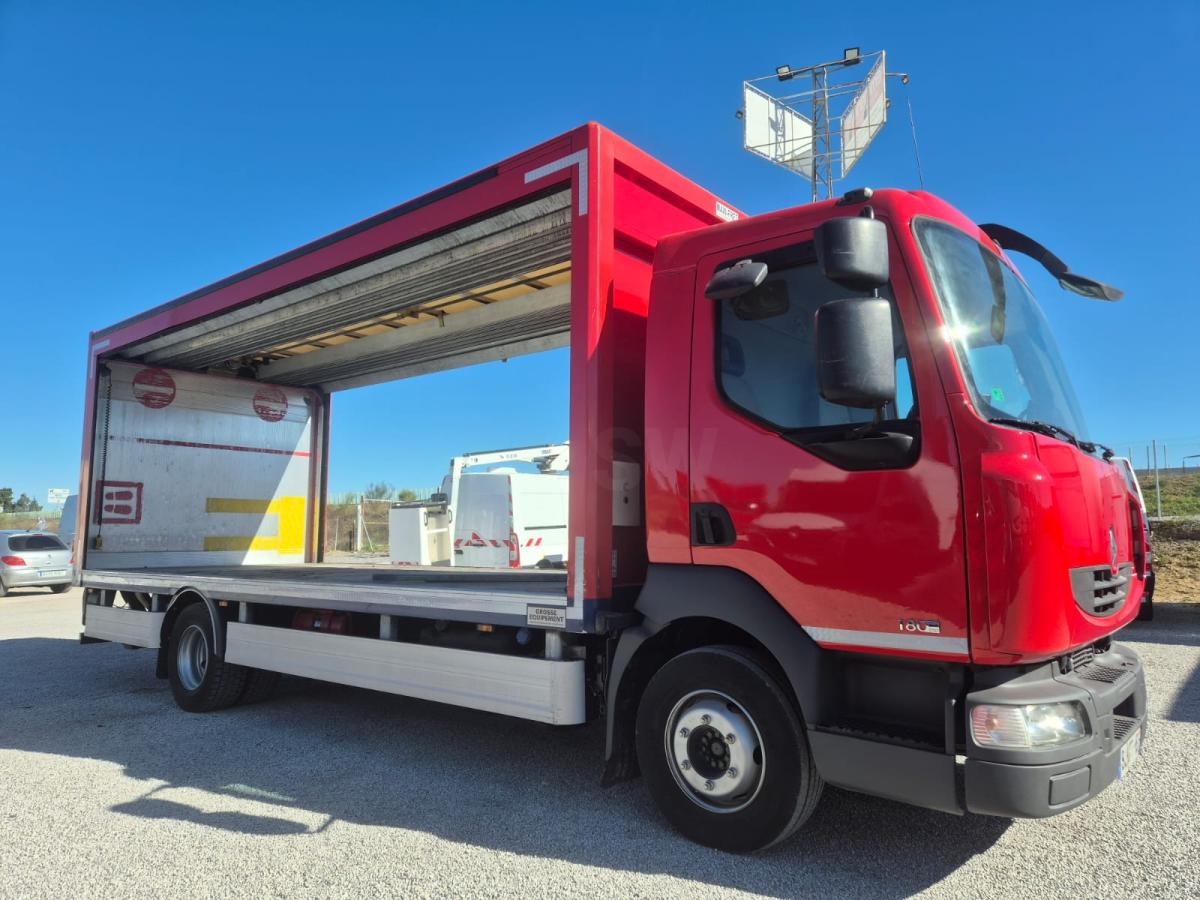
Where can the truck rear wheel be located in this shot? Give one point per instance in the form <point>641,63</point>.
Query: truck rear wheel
<point>260,684</point>
<point>723,751</point>
<point>200,680</point>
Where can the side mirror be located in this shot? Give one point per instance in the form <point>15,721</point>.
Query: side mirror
<point>743,276</point>
<point>853,252</point>
<point>856,359</point>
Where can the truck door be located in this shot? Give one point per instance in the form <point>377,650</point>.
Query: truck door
<point>861,541</point>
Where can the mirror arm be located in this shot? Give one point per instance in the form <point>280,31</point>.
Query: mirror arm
<point>1011,239</point>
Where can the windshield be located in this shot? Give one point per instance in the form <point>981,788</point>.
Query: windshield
<point>1003,343</point>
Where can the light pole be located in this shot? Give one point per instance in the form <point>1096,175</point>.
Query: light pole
<point>822,163</point>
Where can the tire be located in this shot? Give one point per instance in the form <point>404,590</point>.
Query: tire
<point>752,807</point>
<point>200,680</point>
<point>59,588</point>
<point>260,684</point>
<point>1146,611</point>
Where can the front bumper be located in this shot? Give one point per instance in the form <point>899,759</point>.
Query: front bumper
<point>1025,783</point>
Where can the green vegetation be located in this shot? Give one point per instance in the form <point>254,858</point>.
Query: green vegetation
<point>23,504</point>
<point>381,490</point>
<point>23,521</point>
<point>341,518</point>
<point>1180,494</point>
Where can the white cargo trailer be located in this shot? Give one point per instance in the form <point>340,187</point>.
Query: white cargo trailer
<point>419,533</point>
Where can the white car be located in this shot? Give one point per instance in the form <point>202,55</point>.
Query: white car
<point>33,559</point>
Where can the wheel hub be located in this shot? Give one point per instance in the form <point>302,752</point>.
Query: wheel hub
<point>715,751</point>
<point>192,657</point>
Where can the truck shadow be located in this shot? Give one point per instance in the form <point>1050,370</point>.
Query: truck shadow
<point>1173,623</point>
<point>321,753</point>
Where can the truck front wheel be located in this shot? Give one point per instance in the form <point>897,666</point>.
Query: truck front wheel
<point>723,751</point>
<point>200,680</point>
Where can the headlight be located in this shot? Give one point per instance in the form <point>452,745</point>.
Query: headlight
<point>1032,727</point>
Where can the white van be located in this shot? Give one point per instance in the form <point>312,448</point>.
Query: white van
<point>509,519</point>
<point>66,524</point>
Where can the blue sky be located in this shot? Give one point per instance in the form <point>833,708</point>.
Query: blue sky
<point>148,149</point>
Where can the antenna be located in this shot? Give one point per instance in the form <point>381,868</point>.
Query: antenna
<point>819,133</point>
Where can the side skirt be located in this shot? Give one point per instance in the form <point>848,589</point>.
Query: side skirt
<point>544,690</point>
<point>123,626</point>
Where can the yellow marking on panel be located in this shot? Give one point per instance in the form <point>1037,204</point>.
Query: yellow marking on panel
<point>238,505</point>
<point>289,536</point>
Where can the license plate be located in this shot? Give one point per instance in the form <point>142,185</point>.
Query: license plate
<point>51,573</point>
<point>1129,753</point>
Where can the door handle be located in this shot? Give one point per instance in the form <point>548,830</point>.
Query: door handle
<point>711,525</point>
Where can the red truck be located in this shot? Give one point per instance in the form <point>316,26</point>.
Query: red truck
<point>833,517</point>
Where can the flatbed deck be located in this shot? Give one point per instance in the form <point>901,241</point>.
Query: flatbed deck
<point>496,596</point>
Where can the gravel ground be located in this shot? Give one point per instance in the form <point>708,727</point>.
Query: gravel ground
<point>109,790</point>
<point>1177,568</point>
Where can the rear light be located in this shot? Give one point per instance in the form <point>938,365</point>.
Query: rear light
<point>514,549</point>
<point>1138,532</point>
<point>12,560</point>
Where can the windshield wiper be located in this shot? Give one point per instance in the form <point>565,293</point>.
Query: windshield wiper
<point>1056,431</point>
<point>1047,429</point>
<point>1093,446</point>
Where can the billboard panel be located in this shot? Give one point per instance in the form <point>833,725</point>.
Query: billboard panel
<point>776,132</point>
<point>864,115</point>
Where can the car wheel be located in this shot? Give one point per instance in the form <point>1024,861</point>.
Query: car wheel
<point>1146,611</point>
<point>723,750</point>
<point>200,680</point>
<point>59,588</point>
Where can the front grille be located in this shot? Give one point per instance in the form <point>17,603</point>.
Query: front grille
<point>1093,671</point>
<point>1098,590</point>
<point>1108,590</point>
<point>1085,662</point>
<point>1122,726</point>
<point>1080,657</point>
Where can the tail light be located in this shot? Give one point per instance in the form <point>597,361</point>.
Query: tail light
<point>1138,534</point>
<point>12,560</point>
<point>514,549</point>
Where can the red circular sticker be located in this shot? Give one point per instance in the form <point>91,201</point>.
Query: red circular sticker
<point>153,388</point>
<point>270,403</point>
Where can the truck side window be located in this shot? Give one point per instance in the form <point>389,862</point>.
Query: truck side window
<point>767,353</point>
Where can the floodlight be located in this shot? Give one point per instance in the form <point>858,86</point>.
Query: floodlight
<point>784,72</point>
<point>851,56</point>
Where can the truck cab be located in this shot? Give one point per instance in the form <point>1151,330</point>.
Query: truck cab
<point>884,446</point>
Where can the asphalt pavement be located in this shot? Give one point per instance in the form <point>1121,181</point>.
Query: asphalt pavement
<point>107,789</point>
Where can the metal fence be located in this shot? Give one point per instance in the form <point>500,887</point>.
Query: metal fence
<point>1168,469</point>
